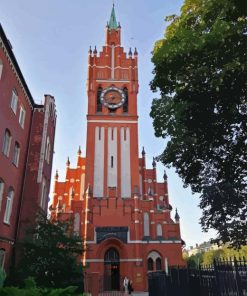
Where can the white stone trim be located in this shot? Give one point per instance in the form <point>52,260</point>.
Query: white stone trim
<point>112,121</point>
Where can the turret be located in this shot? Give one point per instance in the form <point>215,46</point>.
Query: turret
<point>177,218</point>
<point>113,30</point>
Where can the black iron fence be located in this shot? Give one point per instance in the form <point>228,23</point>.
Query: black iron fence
<point>222,278</point>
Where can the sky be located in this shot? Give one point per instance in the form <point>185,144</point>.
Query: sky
<point>51,39</point>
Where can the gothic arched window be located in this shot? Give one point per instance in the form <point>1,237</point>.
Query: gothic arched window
<point>146,225</point>
<point>150,264</point>
<point>158,263</point>
<point>126,103</point>
<point>99,105</point>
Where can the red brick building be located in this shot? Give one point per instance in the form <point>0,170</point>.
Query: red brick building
<point>27,133</point>
<point>119,207</point>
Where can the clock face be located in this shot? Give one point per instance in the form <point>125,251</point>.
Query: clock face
<point>112,97</point>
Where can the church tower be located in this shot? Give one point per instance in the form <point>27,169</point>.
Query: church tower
<point>119,209</point>
<point>112,121</point>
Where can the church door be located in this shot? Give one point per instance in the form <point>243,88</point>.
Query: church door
<point>112,270</point>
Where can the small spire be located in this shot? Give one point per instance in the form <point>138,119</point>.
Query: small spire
<point>79,151</point>
<point>56,175</point>
<point>143,152</point>
<point>68,162</point>
<point>113,25</point>
<point>154,163</point>
<point>90,50</point>
<point>177,218</point>
<point>130,52</point>
<point>165,176</point>
<point>95,50</point>
<point>135,52</point>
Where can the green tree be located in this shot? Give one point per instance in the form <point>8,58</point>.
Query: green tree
<point>51,255</point>
<point>200,69</point>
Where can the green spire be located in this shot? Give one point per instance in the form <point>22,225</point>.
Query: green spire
<point>113,21</point>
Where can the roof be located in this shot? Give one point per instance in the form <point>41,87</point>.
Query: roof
<point>8,47</point>
<point>113,21</point>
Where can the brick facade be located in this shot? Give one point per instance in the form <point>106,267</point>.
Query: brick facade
<point>119,207</point>
<point>22,170</point>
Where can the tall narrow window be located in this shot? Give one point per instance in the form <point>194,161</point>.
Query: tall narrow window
<point>14,101</point>
<point>16,154</point>
<point>48,150</point>
<point>158,264</point>
<point>159,230</point>
<point>112,162</point>
<point>99,105</point>
<point>6,142</point>
<point>146,225</point>
<point>22,117</point>
<point>126,103</point>
<point>150,264</point>
<point>43,197</point>
<point>1,192</point>
<point>2,257</point>
<point>1,68</point>
<point>77,224</point>
<point>9,203</point>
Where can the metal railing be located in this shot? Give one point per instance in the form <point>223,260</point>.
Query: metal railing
<point>222,278</point>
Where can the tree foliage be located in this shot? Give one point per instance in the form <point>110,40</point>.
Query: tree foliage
<point>51,255</point>
<point>208,257</point>
<point>30,289</point>
<point>200,69</point>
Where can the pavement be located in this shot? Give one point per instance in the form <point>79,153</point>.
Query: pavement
<point>139,294</point>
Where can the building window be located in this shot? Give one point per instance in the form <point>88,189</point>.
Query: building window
<point>6,142</point>
<point>154,257</point>
<point>77,224</point>
<point>159,230</point>
<point>150,264</point>
<point>14,101</point>
<point>43,195</point>
<point>158,264</point>
<point>16,154</point>
<point>9,204</point>
<point>22,117</point>
<point>146,225</point>
<point>1,192</point>
<point>1,68</point>
<point>48,150</point>
<point>126,103</point>
<point>99,104</point>
<point>2,257</point>
<point>112,162</point>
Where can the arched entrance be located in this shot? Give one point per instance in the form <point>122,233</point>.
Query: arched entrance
<point>111,270</point>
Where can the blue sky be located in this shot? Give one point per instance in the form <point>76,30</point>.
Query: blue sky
<point>50,40</point>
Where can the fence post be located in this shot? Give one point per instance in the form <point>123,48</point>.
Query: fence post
<point>216,272</point>
<point>237,278</point>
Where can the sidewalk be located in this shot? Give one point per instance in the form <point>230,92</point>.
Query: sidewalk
<point>139,294</point>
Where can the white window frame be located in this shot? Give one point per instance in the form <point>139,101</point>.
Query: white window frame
<point>2,258</point>
<point>16,155</point>
<point>1,191</point>
<point>6,142</point>
<point>22,116</point>
<point>9,204</point>
<point>14,101</point>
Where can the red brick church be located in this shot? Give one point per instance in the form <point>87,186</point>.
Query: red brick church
<point>118,206</point>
